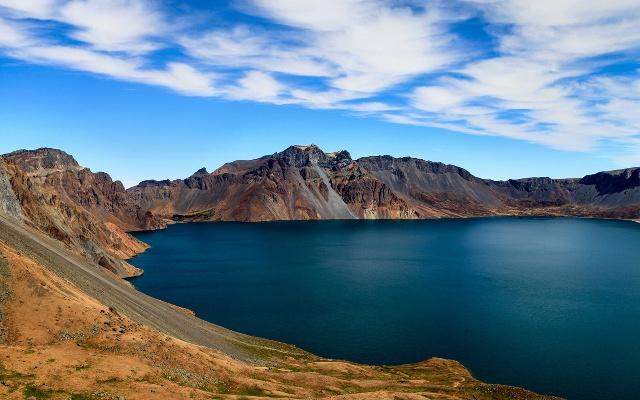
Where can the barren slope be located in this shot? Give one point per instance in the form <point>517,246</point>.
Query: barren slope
<point>88,212</point>
<point>303,182</point>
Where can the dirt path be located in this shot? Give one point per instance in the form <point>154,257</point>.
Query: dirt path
<point>118,294</point>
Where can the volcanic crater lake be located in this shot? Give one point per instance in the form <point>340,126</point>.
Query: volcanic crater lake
<point>550,304</point>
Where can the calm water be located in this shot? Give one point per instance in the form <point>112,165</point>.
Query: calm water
<point>549,304</point>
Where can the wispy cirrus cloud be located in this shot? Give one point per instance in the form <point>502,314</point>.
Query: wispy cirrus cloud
<point>123,25</point>
<point>106,37</point>
<point>541,84</point>
<point>561,73</point>
<point>371,45</point>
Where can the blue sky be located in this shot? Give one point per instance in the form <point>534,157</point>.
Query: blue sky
<point>158,89</point>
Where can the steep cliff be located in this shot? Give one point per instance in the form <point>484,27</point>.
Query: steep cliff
<point>9,204</point>
<point>86,211</point>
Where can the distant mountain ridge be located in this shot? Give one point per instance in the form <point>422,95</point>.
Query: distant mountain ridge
<point>89,212</point>
<point>303,182</point>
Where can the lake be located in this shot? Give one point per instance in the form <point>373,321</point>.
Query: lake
<point>550,304</point>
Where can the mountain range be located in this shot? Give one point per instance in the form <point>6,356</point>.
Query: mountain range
<point>64,242</point>
<point>91,214</point>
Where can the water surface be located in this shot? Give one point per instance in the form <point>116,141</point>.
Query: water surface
<point>549,304</point>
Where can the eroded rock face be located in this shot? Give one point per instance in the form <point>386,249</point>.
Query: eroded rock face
<point>292,184</point>
<point>87,211</point>
<point>303,182</point>
<point>42,160</point>
<point>614,181</point>
<point>95,192</point>
<point>9,204</point>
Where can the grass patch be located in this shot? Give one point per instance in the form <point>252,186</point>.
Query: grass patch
<point>8,375</point>
<point>43,394</point>
<point>268,350</point>
<point>33,391</point>
<point>229,388</point>
<point>80,396</point>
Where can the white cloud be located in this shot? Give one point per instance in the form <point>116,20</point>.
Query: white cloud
<point>400,61</point>
<point>111,25</point>
<point>13,35</point>
<point>373,45</point>
<point>556,13</point>
<point>242,46</point>
<point>179,77</point>
<point>114,25</point>
<point>182,78</point>
<point>29,8</point>
<point>258,86</point>
<point>322,99</point>
<point>437,98</point>
<point>540,87</point>
<point>319,15</point>
<point>372,107</point>
<point>106,26</point>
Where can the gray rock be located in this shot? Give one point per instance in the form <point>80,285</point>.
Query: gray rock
<point>9,203</point>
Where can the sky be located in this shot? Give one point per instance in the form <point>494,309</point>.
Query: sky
<point>157,89</point>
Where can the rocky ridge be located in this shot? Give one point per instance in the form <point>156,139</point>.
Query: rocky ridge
<point>303,182</point>
<point>89,212</point>
<point>48,190</point>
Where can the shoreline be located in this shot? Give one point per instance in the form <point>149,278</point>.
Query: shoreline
<point>444,218</point>
<point>526,220</point>
<point>258,353</point>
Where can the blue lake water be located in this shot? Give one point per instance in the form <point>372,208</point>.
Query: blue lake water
<point>550,304</point>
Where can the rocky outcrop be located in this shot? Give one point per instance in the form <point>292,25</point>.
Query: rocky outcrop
<point>42,160</point>
<point>434,189</point>
<point>94,192</point>
<point>614,181</point>
<point>9,204</point>
<point>292,184</point>
<point>86,211</point>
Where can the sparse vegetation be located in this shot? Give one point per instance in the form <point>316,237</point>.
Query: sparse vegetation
<point>113,379</point>
<point>38,393</point>
<point>80,396</point>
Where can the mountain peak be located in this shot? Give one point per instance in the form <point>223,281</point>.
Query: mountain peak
<point>613,181</point>
<point>303,155</point>
<point>201,171</point>
<point>44,158</point>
